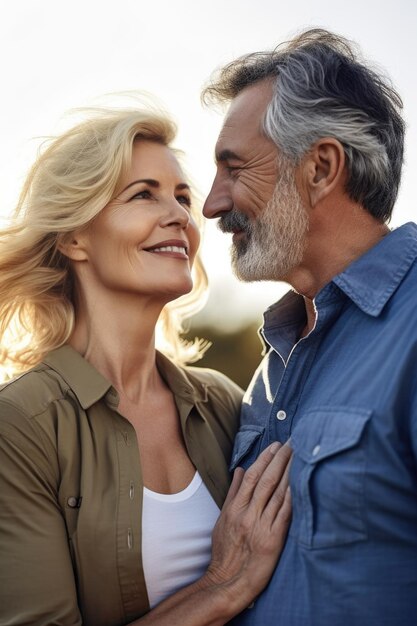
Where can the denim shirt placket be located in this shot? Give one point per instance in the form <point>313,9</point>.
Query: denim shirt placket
<point>328,305</point>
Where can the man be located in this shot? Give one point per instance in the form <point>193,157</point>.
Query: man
<point>308,168</point>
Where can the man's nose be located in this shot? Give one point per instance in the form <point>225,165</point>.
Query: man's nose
<point>219,199</point>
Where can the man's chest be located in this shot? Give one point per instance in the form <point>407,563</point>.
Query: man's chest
<point>346,401</point>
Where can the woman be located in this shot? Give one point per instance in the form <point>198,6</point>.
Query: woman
<point>113,459</point>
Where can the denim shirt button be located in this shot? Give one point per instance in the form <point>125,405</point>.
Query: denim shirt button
<point>316,450</point>
<point>281,415</point>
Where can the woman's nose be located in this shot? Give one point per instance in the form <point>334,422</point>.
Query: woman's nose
<point>176,215</point>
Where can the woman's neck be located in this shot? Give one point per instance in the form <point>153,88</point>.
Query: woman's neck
<point>116,334</point>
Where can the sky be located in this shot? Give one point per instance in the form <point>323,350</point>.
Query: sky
<point>56,56</point>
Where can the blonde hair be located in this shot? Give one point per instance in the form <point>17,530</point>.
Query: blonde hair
<point>73,178</point>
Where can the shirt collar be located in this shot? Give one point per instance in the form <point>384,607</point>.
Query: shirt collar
<point>90,386</point>
<point>179,381</point>
<point>83,379</point>
<point>371,280</point>
<point>283,322</point>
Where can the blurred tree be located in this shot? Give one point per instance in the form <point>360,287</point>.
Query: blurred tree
<point>236,354</point>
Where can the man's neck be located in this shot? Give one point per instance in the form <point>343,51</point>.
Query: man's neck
<point>329,251</point>
<point>330,254</point>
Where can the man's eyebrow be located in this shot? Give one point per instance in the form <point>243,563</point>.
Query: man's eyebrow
<point>153,183</point>
<point>226,155</point>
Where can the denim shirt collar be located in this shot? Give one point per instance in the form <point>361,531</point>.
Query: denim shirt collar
<point>369,282</point>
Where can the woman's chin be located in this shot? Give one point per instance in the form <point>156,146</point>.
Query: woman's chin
<point>174,292</point>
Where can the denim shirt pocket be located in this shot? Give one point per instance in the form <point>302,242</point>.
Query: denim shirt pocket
<point>328,476</point>
<point>246,446</point>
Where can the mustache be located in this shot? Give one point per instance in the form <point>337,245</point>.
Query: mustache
<point>233,221</point>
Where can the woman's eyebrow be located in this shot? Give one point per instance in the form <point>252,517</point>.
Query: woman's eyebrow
<point>154,183</point>
<point>149,181</point>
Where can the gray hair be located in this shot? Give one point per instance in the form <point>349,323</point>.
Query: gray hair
<point>323,90</point>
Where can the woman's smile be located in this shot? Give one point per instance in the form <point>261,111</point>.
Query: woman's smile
<point>174,248</point>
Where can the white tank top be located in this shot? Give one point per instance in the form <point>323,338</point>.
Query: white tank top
<point>176,538</point>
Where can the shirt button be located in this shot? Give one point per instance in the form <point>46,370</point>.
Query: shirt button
<point>72,502</point>
<point>281,415</point>
<point>316,450</point>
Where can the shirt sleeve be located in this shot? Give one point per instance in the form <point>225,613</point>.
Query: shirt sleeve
<point>37,583</point>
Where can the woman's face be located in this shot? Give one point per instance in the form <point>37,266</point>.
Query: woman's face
<point>145,240</point>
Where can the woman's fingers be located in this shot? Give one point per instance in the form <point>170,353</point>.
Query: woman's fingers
<point>277,498</point>
<point>253,475</point>
<point>251,530</point>
<point>238,475</point>
<point>273,482</point>
<point>283,516</point>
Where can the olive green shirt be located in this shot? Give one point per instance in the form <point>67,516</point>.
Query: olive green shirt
<point>71,487</point>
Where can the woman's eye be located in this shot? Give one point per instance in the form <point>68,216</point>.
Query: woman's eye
<point>142,195</point>
<point>184,200</point>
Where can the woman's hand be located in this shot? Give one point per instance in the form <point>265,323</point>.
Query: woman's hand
<point>247,542</point>
<point>251,530</point>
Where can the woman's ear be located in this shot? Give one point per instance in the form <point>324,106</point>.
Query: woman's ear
<point>325,168</point>
<point>72,245</point>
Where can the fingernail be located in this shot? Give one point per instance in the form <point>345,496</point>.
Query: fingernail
<point>274,447</point>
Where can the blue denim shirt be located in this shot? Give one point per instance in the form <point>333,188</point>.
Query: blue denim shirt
<point>347,396</point>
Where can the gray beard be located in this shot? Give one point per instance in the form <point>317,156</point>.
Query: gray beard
<point>274,243</point>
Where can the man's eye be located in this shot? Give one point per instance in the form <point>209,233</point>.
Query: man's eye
<point>184,200</point>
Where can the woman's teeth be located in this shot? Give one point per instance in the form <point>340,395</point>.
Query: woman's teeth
<point>170,249</point>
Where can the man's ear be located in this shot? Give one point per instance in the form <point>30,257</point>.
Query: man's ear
<point>325,168</point>
<point>72,245</point>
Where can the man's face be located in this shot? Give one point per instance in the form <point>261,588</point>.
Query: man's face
<point>255,194</point>
<point>272,245</point>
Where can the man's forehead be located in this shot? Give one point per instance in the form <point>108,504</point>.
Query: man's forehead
<point>253,99</point>
<point>246,114</point>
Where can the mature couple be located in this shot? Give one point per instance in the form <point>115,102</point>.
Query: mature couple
<point>114,459</point>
